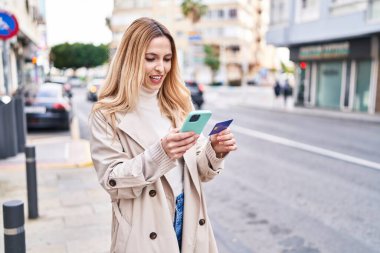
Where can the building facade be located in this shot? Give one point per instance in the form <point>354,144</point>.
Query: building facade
<point>335,45</point>
<point>235,27</point>
<point>20,54</point>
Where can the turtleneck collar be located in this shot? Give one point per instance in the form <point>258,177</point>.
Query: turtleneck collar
<point>148,94</point>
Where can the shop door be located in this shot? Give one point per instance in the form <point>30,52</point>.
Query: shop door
<point>329,84</point>
<point>362,86</point>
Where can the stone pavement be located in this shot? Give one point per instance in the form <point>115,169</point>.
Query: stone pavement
<point>74,211</point>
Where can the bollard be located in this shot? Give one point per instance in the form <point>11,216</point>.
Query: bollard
<point>8,141</point>
<point>14,233</point>
<point>20,122</point>
<point>31,181</point>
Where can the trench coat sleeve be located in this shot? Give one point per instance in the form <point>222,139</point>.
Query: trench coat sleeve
<point>123,176</point>
<point>208,164</point>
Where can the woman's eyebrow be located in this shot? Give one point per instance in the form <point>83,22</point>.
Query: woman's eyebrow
<point>154,54</point>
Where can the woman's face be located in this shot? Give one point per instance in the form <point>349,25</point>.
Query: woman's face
<point>158,62</point>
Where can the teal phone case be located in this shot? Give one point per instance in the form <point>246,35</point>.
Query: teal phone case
<point>190,124</point>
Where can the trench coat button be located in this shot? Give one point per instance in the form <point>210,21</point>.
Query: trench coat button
<point>152,193</point>
<point>153,235</point>
<point>112,182</point>
<point>202,222</point>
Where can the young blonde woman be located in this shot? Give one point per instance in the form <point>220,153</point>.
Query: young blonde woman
<point>153,172</point>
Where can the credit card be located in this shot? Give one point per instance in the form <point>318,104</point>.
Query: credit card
<point>220,127</point>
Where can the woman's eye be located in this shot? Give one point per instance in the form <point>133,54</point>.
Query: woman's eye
<point>168,59</point>
<point>149,59</point>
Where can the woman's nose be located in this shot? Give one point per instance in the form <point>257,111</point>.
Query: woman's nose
<point>159,66</point>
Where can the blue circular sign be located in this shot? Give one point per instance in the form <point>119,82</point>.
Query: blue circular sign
<point>8,25</point>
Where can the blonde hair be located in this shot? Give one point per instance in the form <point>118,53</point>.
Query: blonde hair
<point>126,76</point>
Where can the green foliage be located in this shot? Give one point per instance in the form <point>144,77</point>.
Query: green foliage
<point>78,55</point>
<point>286,69</point>
<point>212,57</point>
<point>193,9</point>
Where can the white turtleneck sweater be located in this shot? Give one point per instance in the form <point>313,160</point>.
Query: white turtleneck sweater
<point>149,110</point>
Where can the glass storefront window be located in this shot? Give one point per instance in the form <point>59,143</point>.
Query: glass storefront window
<point>329,84</point>
<point>362,85</point>
<point>347,87</point>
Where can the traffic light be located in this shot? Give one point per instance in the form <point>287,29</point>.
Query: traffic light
<point>303,65</point>
<point>34,60</point>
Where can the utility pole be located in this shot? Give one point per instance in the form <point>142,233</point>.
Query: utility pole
<point>5,56</point>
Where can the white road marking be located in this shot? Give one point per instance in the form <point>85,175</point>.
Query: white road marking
<point>75,134</point>
<point>303,146</point>
<point>67,149</point>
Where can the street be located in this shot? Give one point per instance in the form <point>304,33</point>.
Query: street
<point>298,183</point>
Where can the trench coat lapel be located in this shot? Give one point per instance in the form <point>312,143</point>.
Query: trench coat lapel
<point>190,158</point>
<point>138,129</point>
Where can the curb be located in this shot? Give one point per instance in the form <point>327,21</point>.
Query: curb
<point>78,157</point>
<point>84,165</point>
<point>263,99</point>
<point>372,118</point>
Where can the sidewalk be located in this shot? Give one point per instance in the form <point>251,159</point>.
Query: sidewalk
<point>74,211</point>
<point>262,97</point>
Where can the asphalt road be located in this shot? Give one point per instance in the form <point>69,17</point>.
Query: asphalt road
<point>297,184</point>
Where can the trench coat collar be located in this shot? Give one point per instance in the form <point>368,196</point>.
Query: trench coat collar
<point>138,128</point>
<point>142,131</point>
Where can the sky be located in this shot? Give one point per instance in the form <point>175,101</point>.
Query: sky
<point>77,21</point>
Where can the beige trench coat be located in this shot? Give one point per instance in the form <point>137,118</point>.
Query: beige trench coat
<point>143,203</point>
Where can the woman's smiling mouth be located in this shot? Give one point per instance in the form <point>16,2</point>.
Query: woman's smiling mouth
<point>156,79</point>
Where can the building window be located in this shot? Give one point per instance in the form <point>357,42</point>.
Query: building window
<point>307,10</point>
<point>278,12</point>
<point>232,13</point>
<point>27,5</point>
<point>343,7</point>
<point>374,9</point>
<point>304,4</point>
<point>220,13</point>
<point>362,97</point>
<point>209,14</point>
<point>329,84</point>
<point>346,101</point>
<point>233,48</point>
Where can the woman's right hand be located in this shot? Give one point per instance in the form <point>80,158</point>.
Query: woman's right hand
<point>176,143</point>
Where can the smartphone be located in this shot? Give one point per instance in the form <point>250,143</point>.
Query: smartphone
<point>196,121</point>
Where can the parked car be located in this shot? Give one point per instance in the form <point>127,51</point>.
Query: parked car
<point>93,89</point>
<point>48,107</point>
<point>76,82</point>
<point>196,91</point>
<point>63,81</point>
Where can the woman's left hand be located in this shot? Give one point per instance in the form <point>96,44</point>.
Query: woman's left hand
<point>223,143</point>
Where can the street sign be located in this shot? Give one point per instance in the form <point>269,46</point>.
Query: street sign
<point>194,36</point>
<point>8,25</point>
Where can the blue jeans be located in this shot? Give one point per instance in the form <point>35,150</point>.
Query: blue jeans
<point>178,218</point>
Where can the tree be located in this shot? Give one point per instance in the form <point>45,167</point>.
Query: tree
<point>78,55</point>
<point>212,59</point>
<point>193,10</point>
